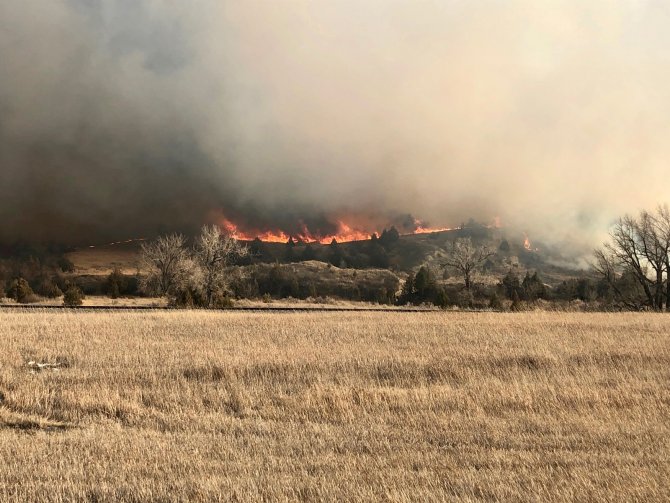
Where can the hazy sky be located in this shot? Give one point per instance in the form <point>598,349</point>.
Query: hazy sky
<point>132,117</point>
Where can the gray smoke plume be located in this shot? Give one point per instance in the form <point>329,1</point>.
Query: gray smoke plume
<point>129,118</point>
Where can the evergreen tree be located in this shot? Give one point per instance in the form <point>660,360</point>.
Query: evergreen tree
<point>117,283</point>
<point>407,292</point>
<point>73,296</point>
<point>511,284</point>
<point>423,283</point>
<point>19,290</point>
<point>335,255</point>
<point>389,237</point>
<point>308,253</point>
<point>422,287</point>
<point>532,287</point>
<point>289,255</point>
<point>65,264</point>
<point>441,299</point>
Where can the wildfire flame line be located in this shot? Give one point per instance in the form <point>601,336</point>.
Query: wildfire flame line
<point>345,233</point>
<point>423,229</point>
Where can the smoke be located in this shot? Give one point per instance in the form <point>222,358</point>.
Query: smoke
<point>129,118</point>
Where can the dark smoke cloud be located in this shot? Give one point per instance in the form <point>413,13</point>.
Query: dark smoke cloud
<point>130,118</point>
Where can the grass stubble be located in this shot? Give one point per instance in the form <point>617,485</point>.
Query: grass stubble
<point>206,406</point>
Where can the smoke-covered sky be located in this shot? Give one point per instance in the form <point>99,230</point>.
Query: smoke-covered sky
<point>128,118</point>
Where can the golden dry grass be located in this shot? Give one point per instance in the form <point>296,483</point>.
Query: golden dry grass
<point>205,406</point>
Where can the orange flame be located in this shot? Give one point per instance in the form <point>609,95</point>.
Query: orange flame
<point>421,228</point>
<point>267,236</point>
<point>345,232</point>
<point>527,245</point>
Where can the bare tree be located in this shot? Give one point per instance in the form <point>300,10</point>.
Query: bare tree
<point>466,258</point>
<point>166,262</point>
<point>662,219</point>
<point>609,268</point>
<point>640,246</point>
<point>214,252</point>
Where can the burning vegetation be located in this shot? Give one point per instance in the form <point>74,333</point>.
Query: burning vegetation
<point>345,231</point>
<point>528,246</point>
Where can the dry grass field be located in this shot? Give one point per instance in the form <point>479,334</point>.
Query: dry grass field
<point>206,406</point>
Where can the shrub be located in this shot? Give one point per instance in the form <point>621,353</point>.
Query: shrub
<point>422,288</point>
<point>441,299</point>
<point>188,297</point>
<point>73,296</point>
<point>20,291</point>
<point>465,299</point>
<point>533,288</point>
<point>221,301</point>
<point>65,264</point>
<point>511,284</point>
<point>48,287</point>
<point>495,302</point>
<point>117,284</point>
<point>54,292</point>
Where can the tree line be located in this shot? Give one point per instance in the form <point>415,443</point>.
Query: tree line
<point>630,271</point>
<point>635,262</point>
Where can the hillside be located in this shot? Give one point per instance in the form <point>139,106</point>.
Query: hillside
<point>306,263</point>
<point>402,255</point>
<point>104,259</point>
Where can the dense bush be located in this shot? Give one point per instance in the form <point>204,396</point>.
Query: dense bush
<point>533,288</point>
<point>20,291</point>
<point>423,288</point>
<point>511,284</point>
<point>466,299</point>
<point>188,297</point>
<point>315,279</point>
<point>47,286</point>
<point>495,302</point>
<point>583,289</point>
<point>73,296</point>
<point>65,264</point>
<point>120,285</point>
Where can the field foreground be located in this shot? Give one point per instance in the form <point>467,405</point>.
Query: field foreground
<point>202,406</point>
